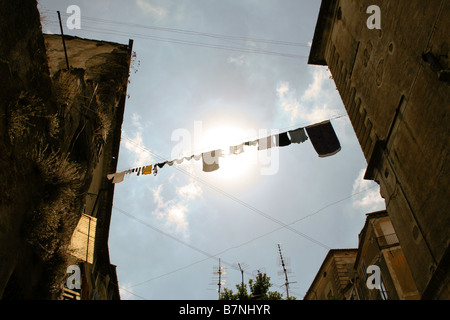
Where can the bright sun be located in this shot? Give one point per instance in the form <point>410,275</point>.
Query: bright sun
<point>232,166</point>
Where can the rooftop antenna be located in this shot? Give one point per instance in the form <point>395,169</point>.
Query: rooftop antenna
<point>241,267</point>
<point>285,271</point>
<point>220,271</point>
<point>242,273</point>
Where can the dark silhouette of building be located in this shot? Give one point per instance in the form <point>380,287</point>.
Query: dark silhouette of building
<point>60,132</point>
<point>393,82</point>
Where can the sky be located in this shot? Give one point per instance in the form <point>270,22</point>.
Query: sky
<point>210,74</point>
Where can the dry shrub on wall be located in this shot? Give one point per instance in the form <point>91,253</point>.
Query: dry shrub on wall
<point>103,126</point>
<point>24,115</point>
<point>21,115</point>
<point>55,218</point>
<point>66,87</point>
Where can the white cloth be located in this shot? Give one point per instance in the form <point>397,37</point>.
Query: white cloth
<point>118,177</point>
<point>211,160</point>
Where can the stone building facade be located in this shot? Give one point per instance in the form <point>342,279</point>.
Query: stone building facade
<point>60,133</point>
<point>344,273</point>
<point>393,84</point>
<point>333,280</point>
<point>380,247</point>
<point>101,68</point>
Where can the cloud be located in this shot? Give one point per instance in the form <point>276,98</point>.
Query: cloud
<point>369,201</point>
<point>153,10</point>
<point>136,144</point>
<point>237,60</point>
<point>282,89</point>
<point>312,106</point>
<point>319,76</point>
<point>190,191</point>
<point>174,211</point>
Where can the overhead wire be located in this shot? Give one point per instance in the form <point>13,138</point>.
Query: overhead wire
<point>192,43</point>
<point>230,248</point>
<point>252,208</point>
<point>190,32</point>
<point>261,236</point>
<point>222,47</point>
<point>209,256</point>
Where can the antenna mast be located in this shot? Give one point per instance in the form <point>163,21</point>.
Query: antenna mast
<point>242,273</point>
<point>220,271</point>
<point>285,271</point>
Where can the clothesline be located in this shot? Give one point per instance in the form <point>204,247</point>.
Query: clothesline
<point>322,137</point>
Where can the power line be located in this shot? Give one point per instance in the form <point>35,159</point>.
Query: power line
<point>252,208</point>
<point>191,32</point>
<point>193,43</point>
<point>244,243</point>
<point>173,238</point>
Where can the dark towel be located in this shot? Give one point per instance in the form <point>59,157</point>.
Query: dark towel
<point>324,139</point>
<point>283,140</point>
<point>298,135</point>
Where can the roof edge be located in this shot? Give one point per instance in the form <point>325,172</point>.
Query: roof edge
<point>327,257</point>
<point>322,32</point>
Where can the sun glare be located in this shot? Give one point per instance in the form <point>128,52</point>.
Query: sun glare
<point>233,166</point>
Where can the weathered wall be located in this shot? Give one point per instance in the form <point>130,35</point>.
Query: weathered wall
<point>105,68</point>
<point>333,276</point>
<point>23,68</point>
<point>399,110</point>
<point>54,127</point>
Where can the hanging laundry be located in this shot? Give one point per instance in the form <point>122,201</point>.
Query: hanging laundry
<point>118,177</point>
<point>211,160</point>
<point>161,164</point>
<point>147,169</point>
<point>324,139</point>
<point>322,136</point>
<point>282,140</point>
<point>237,149</point>
<point>298,136</point>
<point>265,143</point>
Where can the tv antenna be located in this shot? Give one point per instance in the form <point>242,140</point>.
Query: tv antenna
<point>220,272</point>
<point>285,271</point>
<point>241,267</point>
